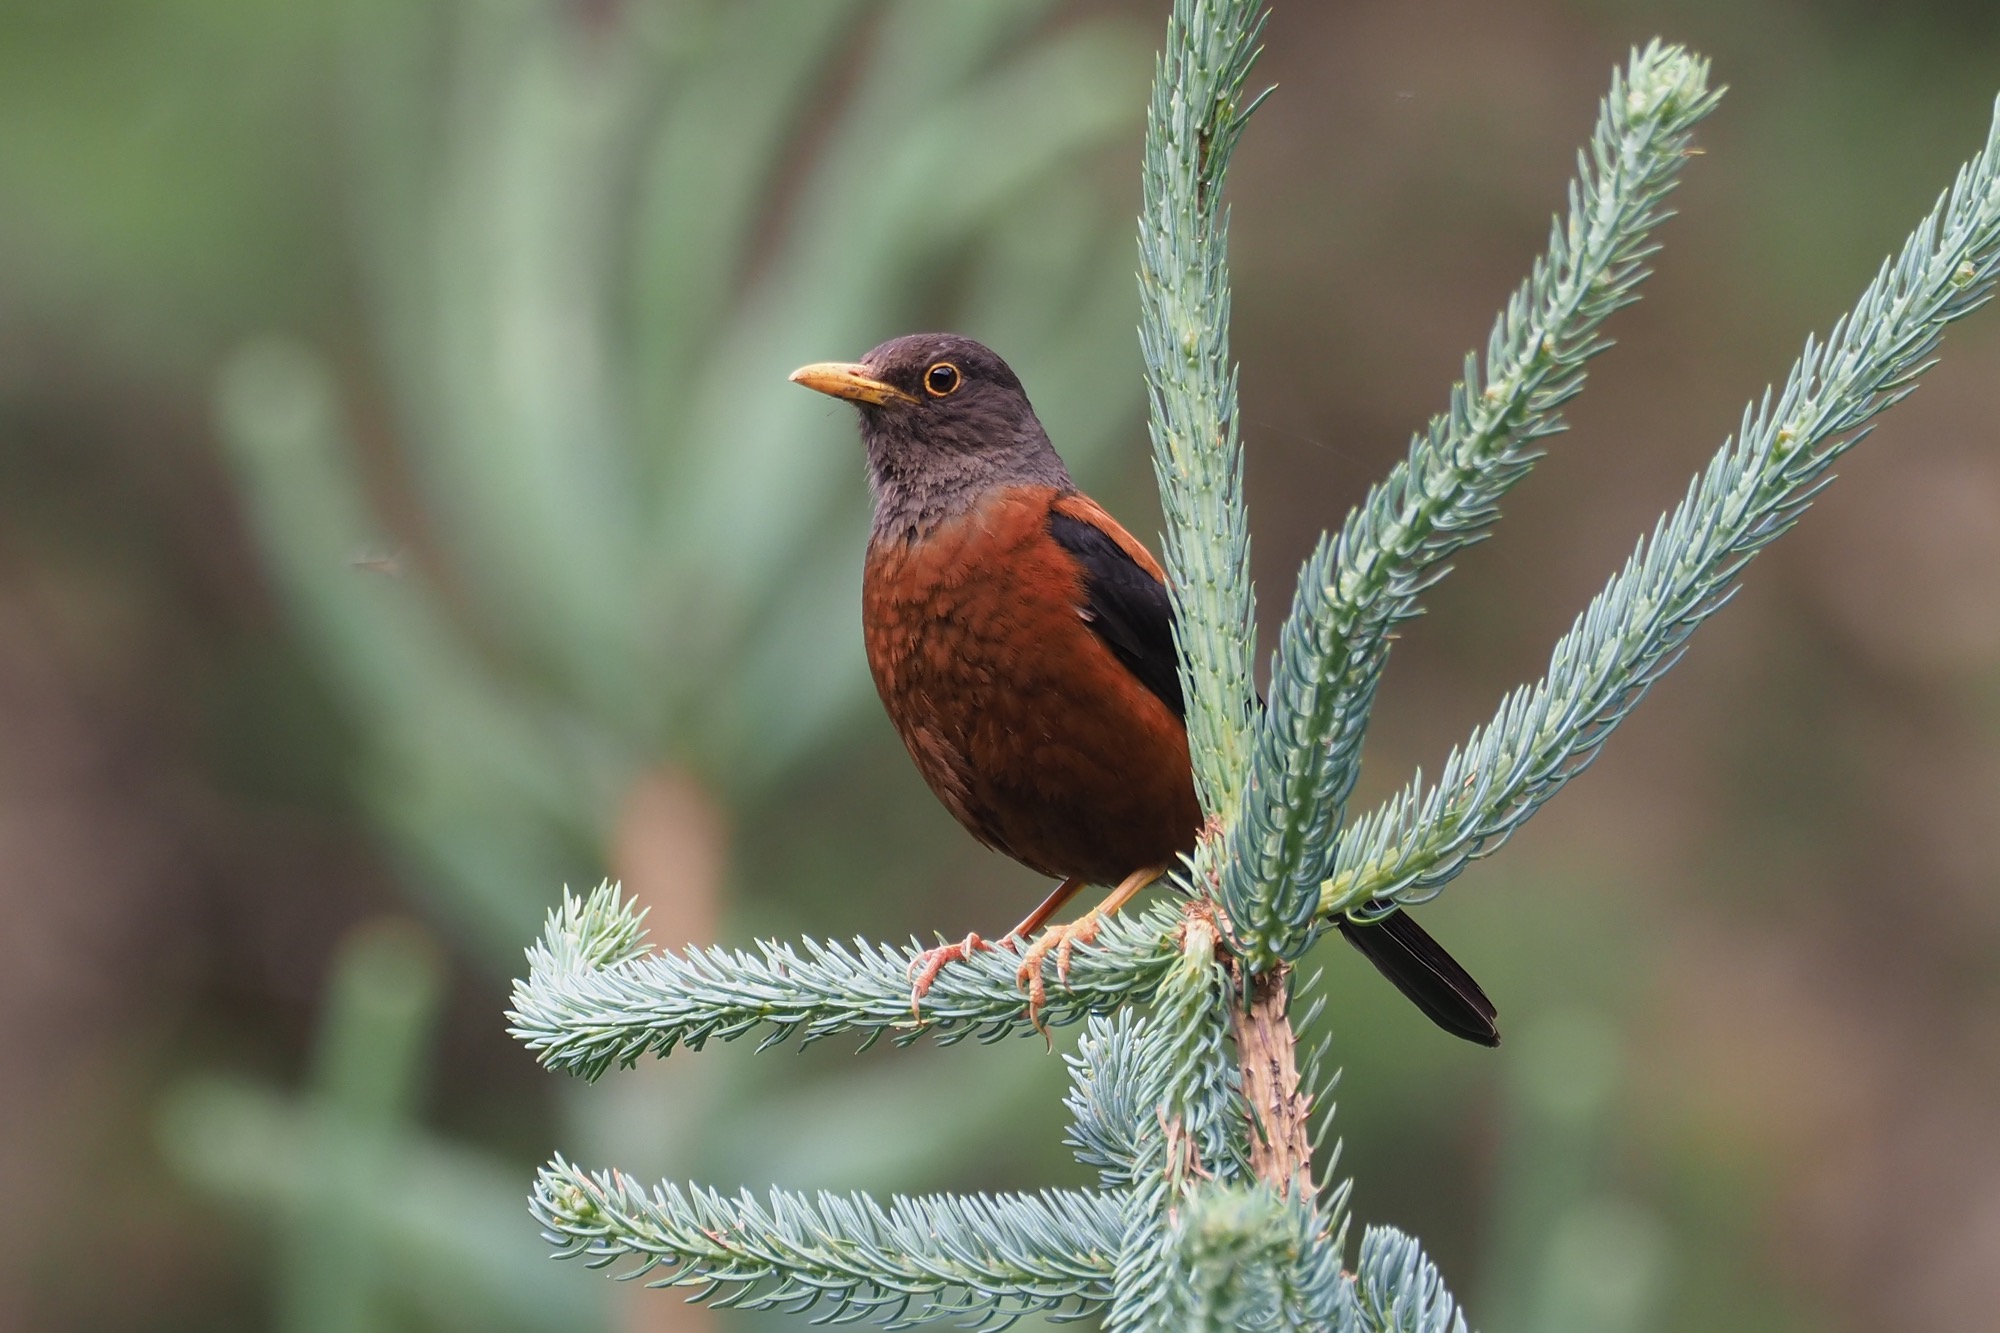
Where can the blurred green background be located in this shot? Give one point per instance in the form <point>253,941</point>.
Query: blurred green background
<point>403,513</point>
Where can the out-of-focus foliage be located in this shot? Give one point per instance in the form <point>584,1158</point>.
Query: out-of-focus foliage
<point>564,540</point>
<point>592,241</point>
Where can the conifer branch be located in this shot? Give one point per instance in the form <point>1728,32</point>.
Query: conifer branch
<point>1246,1257</point>
<point>1197,114</point>
<point>985,1260</point>
<point>1357,587</point>
<point>1397,1289</point>
<point>1206,1217</point>
<point>1105,1087</point>
<point>1753,491</point>
<point>595,995</point>
<point>1187,1123</point>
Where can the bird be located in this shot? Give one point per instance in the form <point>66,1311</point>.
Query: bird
<point>1022,642</point>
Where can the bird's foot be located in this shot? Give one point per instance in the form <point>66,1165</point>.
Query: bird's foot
<point>1061,939</point>
<point>924,968</point>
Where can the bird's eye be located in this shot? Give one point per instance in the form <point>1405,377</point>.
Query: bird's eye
<point>941,380</point>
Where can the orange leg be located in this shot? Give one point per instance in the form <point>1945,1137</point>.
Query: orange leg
<point>1052,904</point>
<point>1066,937</point>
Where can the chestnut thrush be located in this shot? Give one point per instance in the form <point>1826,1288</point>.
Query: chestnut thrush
<point>1023,645</point>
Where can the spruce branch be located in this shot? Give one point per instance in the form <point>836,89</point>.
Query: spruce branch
<point>593,996</point>
<point>1753,490</point>
<point>985,1259</point>
<point>1195,1111</point>
<point>1357,587</point>
<point>1187,1123</point>
<point>1197,114</point>
<point>1398,1289</point>
<point>1102,1100</point>
<point>1249,1258</point>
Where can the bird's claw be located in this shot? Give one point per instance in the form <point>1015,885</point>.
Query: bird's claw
<point>1062,940</point>
<point>924,968</point>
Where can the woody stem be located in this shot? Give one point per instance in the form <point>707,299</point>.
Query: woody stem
<point>1281,1150</point>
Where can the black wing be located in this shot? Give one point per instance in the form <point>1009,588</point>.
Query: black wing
<point>1129,610</point>
<point>1126,606</point>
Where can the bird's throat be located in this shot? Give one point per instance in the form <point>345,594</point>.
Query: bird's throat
<point>911,503</point>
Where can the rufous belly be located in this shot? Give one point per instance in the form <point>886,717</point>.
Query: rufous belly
<point>1022,721</point>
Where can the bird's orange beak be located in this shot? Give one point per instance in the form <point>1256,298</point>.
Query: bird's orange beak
<point>852,382</point>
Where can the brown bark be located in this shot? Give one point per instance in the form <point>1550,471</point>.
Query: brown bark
<point>1281,1149</point>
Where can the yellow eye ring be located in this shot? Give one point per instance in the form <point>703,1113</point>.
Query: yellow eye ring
<point>942,380</point>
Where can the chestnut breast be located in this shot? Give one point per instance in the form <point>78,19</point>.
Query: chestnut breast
<point>1018,714</point>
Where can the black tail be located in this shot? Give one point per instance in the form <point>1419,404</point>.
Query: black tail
<point>1432,978</point>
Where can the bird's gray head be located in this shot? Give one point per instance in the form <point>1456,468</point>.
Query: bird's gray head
<point>945,423</point>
